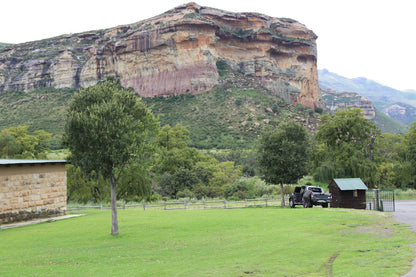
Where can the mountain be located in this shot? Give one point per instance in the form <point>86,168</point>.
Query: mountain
<point>398,105</point>
<point>3,44</point>
<point>340,100</point>
<point>181,51</point>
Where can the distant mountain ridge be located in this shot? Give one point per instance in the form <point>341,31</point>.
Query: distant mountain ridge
<point>3,44</point>
<point>398,105</point>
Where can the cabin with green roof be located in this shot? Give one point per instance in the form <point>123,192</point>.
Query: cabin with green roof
<point>348,193</point>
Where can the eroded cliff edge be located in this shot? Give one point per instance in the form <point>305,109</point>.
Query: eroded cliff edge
<point>174,53</point>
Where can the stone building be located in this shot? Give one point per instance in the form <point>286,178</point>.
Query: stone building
<point>31,189</point>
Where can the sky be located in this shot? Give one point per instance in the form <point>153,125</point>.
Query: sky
<point>375,39</point>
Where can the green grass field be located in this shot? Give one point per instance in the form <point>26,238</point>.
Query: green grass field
<point>237,242</point>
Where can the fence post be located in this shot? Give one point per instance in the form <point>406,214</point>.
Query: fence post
<point>79,207</point>
<point>204,205</point>
<point>124,206</point>
<point>245,201</point>
<point>225,204</point>
<point>144,206</point>
<point>101,206</point>
<point>164,204</point>
<point>266,201</point>
<point>184,204</point>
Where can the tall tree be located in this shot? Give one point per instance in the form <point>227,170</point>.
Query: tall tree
<point>283,154</point>
<point>107,130</point>
<point>409,150</point>
<point>346,146</point>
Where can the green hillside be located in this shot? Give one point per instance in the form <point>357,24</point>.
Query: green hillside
<point>389,125</point>
<point>227,116</point>
<point>43,108</point>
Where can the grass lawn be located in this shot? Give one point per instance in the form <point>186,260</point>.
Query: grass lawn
<point>237,242</point>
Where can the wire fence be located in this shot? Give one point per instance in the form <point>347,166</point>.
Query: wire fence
<point>211,204</point>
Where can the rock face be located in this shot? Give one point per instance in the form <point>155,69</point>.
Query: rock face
<point>173,53</point>
<point>401,112</point>
<point>340,100</point>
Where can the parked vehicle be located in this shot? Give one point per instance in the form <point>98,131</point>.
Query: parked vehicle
<point>308,196</point>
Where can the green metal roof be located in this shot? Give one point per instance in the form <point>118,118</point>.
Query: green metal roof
<point>350,184</point>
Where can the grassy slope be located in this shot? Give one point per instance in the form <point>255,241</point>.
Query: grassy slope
<point>40,109</point>
<point>389,125</point>
<point>226,116</point>
<point>260,242</point>
<point>43,108</point>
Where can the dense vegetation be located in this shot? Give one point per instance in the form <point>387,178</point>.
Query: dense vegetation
<point>227,117</point>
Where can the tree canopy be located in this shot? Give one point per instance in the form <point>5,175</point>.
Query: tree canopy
<point>16,142</point>
<point>283,154</point>
<point>346,147</point>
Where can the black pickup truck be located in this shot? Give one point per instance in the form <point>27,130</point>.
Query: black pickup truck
<point>308,196</point>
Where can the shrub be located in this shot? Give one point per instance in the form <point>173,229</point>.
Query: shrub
<point>239,101</point>
<point>319,110</point>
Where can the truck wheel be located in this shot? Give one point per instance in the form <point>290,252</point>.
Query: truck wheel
<point>291,203</point>
<point>310,204</point>
<point>325,205</point>
<point>305,204</point>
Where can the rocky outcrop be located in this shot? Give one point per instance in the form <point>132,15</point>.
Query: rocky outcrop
<point>340,100</point>
<point>401,112</point>
<point>173,53</point>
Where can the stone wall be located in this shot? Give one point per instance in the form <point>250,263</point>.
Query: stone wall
<point>30,191</point>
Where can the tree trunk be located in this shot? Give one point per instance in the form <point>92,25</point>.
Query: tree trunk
<point>282,195</point>
<point>114,220</point>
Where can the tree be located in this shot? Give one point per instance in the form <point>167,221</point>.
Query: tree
<point>346,146</point>
<point>409,150</point>
<point>109,129</point>
<point>283,154</point>
<point>16,142</point>
<point>8,145</point>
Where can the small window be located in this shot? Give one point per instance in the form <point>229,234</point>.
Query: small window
<point>355,193</point>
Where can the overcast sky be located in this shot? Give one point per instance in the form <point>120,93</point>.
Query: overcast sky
<point>356,38</point>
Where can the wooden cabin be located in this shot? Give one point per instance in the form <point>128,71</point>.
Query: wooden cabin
<point>348,193</point>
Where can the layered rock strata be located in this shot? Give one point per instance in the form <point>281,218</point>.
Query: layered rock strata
<point>335,100</point>
<point>173,53</point>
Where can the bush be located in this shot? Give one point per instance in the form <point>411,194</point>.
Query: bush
<point>319,110</point>
<point>239,101</point>
<point>222,67</point>
<point>186,193</point>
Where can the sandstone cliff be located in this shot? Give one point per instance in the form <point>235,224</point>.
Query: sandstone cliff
<point>340,100</point>
<point>173,53</point>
